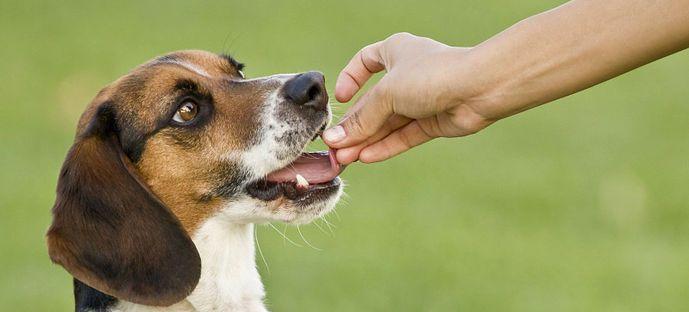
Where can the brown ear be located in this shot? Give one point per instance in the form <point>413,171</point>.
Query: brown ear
<point>110,232</point>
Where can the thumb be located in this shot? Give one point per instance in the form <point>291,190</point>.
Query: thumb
<point>362,120</point>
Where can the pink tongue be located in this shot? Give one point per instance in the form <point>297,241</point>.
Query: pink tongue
<point>317,167</point>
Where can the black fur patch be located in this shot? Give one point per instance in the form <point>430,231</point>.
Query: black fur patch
<point>232,177</point>
<point>167,59</point>
<point>87,299</point>
<point>232,61</point>
<point>131,137</point>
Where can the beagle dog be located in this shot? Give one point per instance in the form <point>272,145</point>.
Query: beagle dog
<point>171,166</point>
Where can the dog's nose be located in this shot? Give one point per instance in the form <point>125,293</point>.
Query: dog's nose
<point>307,89</point>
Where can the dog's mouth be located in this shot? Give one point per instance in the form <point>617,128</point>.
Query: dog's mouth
<point>310,174</point>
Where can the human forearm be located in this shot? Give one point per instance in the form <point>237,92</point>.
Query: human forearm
<point>567,49</point>
<point>432,90</point>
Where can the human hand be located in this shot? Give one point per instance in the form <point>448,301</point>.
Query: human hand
<point>415,101</point>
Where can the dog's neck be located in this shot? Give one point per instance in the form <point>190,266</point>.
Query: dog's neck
<point>229,278</point>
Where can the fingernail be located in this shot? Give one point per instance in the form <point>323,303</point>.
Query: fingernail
<point>334,134</point>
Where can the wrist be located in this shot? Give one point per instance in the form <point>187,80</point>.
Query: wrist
<point>460,92</point>
<point>476,79</point>
<point>464,81</point>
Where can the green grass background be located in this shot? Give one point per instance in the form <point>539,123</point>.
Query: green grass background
<point>580,205</point>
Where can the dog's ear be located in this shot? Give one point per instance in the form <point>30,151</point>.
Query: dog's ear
<point>110,232</point>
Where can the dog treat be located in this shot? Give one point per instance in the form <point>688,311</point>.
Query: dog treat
<point>301,181</point>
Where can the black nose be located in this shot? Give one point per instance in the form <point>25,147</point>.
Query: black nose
<point>307,89</point>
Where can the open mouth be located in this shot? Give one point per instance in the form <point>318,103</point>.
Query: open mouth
<point>310,175</point>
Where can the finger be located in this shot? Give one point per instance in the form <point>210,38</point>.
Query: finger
<point>350,154</point>
<point>363,120</point>
<point>352,78</point>
<point>409,136</point>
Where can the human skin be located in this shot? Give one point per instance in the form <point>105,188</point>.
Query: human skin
<point>434,90</point>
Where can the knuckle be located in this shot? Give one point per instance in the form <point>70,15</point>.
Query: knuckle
<point>405,139</point>
<point>402,35</point>
<point>371,48</point>
<point>470,123</point>
<point>430,131</point>
<point>364,50</point>
<point>366,160</point>
<point>399,37</point>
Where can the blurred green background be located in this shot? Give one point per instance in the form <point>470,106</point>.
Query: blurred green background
<point>580,205</point>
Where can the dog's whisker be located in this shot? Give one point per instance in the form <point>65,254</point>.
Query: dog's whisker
<point>345,197</point>
<point>260,252</point>
<point>320,228</point>
<point>344,193</point>
<point>343,204</point>
<point>284,231</point>
<point>328,224</point>
<point>330,229</point>
<point>337,215</point>
<point>306,241</point>
<point>284,236</point>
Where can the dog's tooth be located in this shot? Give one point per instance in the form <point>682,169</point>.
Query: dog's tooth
<point>301,181</point>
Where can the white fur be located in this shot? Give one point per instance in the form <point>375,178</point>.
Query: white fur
<point>124,306</point>
<point>229,278</point>
<point>261,158</point>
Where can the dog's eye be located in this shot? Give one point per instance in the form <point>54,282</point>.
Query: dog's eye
<point>186,112</point>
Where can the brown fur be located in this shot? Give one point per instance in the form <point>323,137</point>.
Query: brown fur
<point>108,226</point>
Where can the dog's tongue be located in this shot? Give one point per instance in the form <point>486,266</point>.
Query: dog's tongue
<point>316,167</point>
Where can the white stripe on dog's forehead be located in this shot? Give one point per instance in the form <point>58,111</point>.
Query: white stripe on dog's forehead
<point>188,66</point>
<point>201,72</point>
<point>278,77</point>
<point>193,67</point>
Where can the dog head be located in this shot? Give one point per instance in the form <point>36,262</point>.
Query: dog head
<point>178,140</point>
